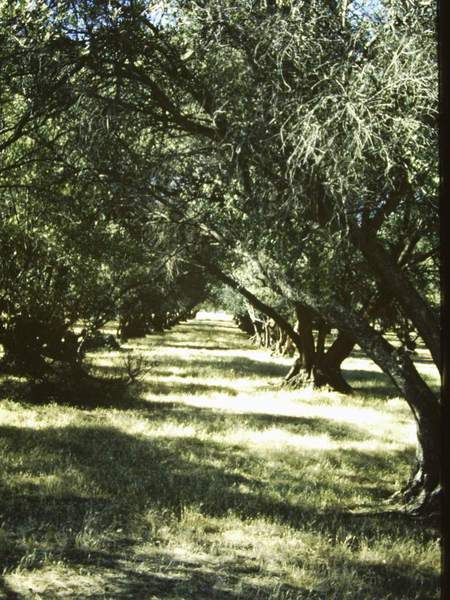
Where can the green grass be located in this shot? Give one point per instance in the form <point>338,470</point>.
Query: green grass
<point>209,481</point>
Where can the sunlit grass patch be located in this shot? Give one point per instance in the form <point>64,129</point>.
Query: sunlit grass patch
<point>211,483</point>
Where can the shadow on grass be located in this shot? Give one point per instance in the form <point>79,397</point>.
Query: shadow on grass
<point>233,366</point>
<point>203,336</point>
<point>171,472</point>
<point>206,346</point>
<point>167,577</point>
<point>71,480</point>
<point>370,382</point>
<point>110,391</point>
<point>107,392</point>
<point>416,358</point>
<point>178,388</point>
<point>6,593</point>
<point>86,392</point>
<point>213,420</point>
<point>14,388</point>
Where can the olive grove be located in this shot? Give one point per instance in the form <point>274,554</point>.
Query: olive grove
<point>286,149</point>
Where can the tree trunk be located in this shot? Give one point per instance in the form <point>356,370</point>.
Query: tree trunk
<point>328,368</point>
<point>322,333</point>
<point>305,324</point>
<point>394,280</point>
<point>314,365</point>
<point>256,324</point>
<point>422,493</point>
<point>281,341</point>
<point>158,322</point>
<point>424,489</point>
<point>244,322</point>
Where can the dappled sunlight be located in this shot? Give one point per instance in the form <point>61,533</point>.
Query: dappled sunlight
<point>206,378</point>
<point>214,316</point>
<point>376,423</point>
<point>34,418</point>
<point>363,364</point>
<point>50,580</point>
<point>206,479</point>
<point>166,430</point>
<point>280,439</point>
<point>364,373</point>
<point>428,369</point>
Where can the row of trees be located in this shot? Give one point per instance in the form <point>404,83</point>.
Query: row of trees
<point>284,148</point>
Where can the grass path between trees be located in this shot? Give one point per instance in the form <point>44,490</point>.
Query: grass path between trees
<point>209,481</point>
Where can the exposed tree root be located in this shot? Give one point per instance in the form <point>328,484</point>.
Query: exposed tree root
<point>420,497</point>
<point>332,381</point>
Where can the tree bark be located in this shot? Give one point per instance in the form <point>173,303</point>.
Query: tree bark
<point>328,368</point>
<point>423,404</point>
<point>322,333</point>
<point>423,490</point>
<point>395,282</point>
<point>256,325</point>
<point>314,365</point>
<point>305,324</point>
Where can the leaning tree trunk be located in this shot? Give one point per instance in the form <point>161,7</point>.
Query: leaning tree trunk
<point>423,491</point>
<point>396,283</point>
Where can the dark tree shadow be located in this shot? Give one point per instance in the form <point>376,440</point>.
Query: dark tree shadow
<point>235,366</point>
<point>14,388</point>
<point>168,577</point>
<point>213,420</point>
<point>6,593</point>
<point>173,474</point>
<point>370,382</point>
<point>205,346</point>
<point>86,392</point>
<point>182,389</point>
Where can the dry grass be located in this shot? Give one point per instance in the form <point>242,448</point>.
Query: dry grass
<point>208,481</point>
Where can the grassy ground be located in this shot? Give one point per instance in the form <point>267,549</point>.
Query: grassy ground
<point>208,481</point>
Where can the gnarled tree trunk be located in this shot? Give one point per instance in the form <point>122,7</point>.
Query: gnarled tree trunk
<point>315,365</point>
<point>423,491</point>
<point>328,369</point>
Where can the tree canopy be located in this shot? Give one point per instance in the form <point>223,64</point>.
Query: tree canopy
<point>287,149</point>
